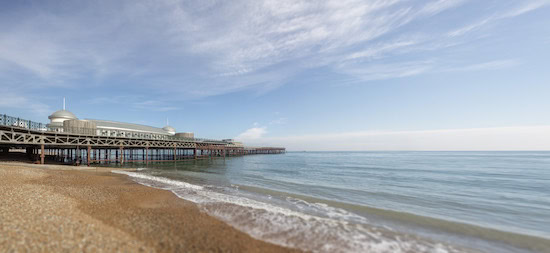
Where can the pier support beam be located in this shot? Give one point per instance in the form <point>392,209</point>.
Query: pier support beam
<point>42,154</point>
<point>121,155</point>
<point>88,154</point>
<point>78,155</point>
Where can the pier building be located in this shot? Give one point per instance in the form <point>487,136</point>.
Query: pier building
<point>66,121</point>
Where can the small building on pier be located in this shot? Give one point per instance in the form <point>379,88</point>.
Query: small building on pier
<point>66,121</point>
<point>57,118</point>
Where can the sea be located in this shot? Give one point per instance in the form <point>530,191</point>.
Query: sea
<point>372,201</point>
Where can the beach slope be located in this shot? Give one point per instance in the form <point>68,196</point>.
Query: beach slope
<point>60,209</point>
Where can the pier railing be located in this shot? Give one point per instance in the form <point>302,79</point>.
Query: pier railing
<point>7,120</point>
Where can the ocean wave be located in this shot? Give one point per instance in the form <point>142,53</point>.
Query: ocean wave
<point>160,181</point>
<point>334,230</point>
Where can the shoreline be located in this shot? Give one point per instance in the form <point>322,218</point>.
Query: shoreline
<point>145,217</point>
<point>59,207</point>
<point>407,222</point>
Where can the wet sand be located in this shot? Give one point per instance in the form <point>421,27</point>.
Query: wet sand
<point>57,208</point>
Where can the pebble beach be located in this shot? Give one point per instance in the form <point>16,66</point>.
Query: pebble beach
<point>55,208</point>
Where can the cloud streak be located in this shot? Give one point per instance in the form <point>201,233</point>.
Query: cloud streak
<point>491,65</point>
<point>206,48</point>
<point>252,134</point>
<point>521,9</point>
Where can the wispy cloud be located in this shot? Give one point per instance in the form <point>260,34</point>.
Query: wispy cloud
<point>491,65</point>
<point>440,5</point>
<point>135,102</point>
<point>471,27</point>
<point>252,134</point>
<point>279,121</point>
<point>257,131</point>
<point>388,70</point>
<point>154,105</point>
<point>524,7</point>
<point>406,69</point>
<point>377,51</point>
<point>205,48</point>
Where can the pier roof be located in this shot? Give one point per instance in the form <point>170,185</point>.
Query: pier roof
<point>63,114</point>
<point>106,124</point>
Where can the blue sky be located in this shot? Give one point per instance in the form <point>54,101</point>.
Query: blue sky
<point>308,75</point>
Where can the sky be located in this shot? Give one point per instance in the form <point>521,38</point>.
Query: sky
<point>306,75</point>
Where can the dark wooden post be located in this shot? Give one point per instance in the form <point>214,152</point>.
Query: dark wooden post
<point>88,154</point>
<point>77,155</point>
<point>42,154</point>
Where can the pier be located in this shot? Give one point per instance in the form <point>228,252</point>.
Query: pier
<point>87,146</point>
